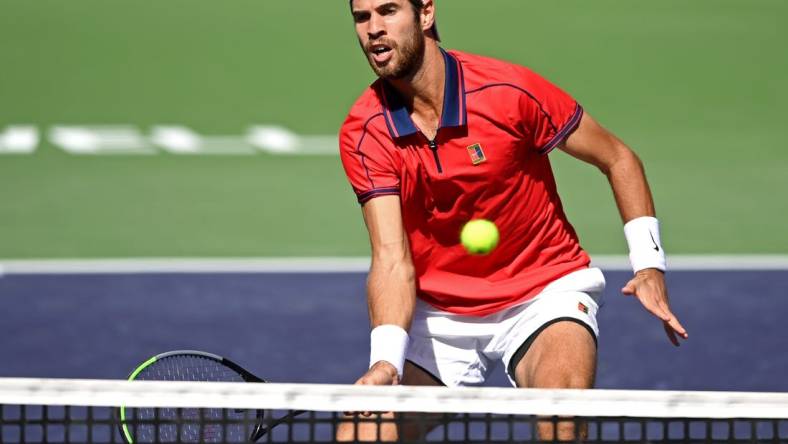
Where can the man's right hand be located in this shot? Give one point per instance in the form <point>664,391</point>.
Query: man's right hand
<point>381,373</point>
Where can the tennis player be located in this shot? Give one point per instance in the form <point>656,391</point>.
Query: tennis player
<point>443,137</point>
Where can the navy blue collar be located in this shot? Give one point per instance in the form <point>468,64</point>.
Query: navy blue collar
<point>454,113</point>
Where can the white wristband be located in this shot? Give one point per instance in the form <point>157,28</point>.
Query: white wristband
<point>645,249</point>
<point>388,343</point>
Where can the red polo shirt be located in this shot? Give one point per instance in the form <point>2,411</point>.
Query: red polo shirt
<point>487,161</point>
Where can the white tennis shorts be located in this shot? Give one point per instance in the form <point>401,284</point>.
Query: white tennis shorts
<point>462,350</point>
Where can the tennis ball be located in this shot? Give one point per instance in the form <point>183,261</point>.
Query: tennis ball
<point>479,236</point>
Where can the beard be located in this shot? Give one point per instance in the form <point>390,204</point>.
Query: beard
<point>408,57</point>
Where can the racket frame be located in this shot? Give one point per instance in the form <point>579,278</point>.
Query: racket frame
<point>260,428</point>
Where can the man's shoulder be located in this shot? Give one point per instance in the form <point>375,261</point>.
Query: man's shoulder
<point>483,71</point>
<point>364,110</point>
<point>368,104</point>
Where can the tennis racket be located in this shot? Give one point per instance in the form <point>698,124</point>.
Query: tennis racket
<point>140,425</point>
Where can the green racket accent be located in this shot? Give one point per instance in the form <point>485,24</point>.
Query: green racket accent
<point>142,367</point>
<point>123,408</point>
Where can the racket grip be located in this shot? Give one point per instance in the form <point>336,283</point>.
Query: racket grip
<point>262,428</point>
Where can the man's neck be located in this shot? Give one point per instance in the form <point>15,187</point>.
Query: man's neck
<point>423,92</point>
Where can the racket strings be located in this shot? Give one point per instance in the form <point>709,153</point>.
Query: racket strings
<point>193,425</point>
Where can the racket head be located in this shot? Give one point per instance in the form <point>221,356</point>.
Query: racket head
<point>140,425</point>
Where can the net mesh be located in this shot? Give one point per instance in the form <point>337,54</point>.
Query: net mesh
<point>58,411</point>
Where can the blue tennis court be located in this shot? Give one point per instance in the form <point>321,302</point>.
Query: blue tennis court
<point>313,327</point>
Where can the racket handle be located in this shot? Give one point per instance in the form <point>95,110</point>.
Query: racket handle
<point>262,429</point>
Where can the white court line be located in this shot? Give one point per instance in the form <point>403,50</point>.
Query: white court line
<point>336,264</point>
<point>187,265</point>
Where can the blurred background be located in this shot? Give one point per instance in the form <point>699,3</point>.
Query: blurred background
<point>196,128</point>
<point>176,109</point>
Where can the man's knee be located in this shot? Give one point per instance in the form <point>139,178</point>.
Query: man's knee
<point>572,379</point>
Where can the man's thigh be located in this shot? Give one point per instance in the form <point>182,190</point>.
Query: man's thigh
<point>563,355</point>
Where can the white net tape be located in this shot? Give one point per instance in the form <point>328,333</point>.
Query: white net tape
<point>338,398</point>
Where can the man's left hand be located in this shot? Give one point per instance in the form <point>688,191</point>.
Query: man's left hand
<point>649,287</point>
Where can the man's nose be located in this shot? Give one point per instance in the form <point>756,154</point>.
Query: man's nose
<point>376,27</point>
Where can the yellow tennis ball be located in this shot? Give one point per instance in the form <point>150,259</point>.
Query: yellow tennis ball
<point>479,236</point>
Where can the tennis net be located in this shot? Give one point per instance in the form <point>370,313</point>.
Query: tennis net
<point>102,411</point>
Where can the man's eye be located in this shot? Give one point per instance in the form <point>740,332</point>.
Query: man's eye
<point>360,18</point>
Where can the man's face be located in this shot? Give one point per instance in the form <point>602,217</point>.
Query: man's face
<point>391,36</point>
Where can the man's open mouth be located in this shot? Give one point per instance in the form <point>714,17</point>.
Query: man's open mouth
<point>381,53</point>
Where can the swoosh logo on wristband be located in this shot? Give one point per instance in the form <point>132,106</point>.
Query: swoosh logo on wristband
<point>656,247</point>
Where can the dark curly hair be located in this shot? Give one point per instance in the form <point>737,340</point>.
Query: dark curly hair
<point>417,5</point>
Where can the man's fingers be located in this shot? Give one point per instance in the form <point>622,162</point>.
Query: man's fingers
<point>667,315</point>
<point>374,376</point>
<point>654,298</point>
<point>673,327</point>
<point>364,414</point>
<point>629,288</point>
<point>671,334</point>
<point>677,327</point>
<point>656,309</point>
<point>661,314</point>
<point>673,321</point>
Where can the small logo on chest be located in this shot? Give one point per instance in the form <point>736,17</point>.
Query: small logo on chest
<point>476,153</point>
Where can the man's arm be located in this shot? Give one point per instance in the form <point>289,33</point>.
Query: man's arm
<point>391,285</point>
<point>597,146</point>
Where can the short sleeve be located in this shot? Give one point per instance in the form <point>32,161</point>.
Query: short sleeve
<point>549,115</point>
<point>368,164</point>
